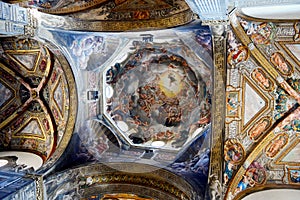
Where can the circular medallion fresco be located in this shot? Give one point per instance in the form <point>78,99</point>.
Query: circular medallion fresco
<point>156,99</point>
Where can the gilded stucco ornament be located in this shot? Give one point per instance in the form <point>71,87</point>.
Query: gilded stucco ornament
<point>108,15</point>
<point>218,108</point>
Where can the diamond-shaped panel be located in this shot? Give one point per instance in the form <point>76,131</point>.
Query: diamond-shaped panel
<point>33,128</point>
<point>5,94</point>
<point>28,60</point>
<point>58,95</point>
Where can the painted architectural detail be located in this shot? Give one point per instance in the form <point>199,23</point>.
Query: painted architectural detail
<point>27,119</point>
<point>262,33</point>
<point>6,94</point>
<point>13,19</point>
<point>269,85</point>
<point>210,10</point>
<point>217,106</point>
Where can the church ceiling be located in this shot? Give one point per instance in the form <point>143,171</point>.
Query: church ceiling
<point>110,69</point>
<point>145,96</point>
<point>261,146</point>
<point>157,98</point>
<point>38,105</point>
<point>122,180</point>
<point>117,15</point>
<point>113,60</point>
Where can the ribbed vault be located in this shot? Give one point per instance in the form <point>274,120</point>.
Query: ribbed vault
<point>38,105</point>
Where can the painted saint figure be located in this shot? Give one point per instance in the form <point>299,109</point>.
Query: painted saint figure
<point>262,79</point>
<point>278,60</point>
<point>258,129</point>
<point>233,151</point>
<point>295,176</point>
<point>276,145</point>
<point>255,174</point>
<point>233,104</point>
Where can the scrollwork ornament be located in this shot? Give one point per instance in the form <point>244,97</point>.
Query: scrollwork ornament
<point>31,27</point>
<point>297,31</point>
<point>215,22</point>
<point>39,184</point>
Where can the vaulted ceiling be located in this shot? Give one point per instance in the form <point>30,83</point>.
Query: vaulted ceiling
<point>262,98</point>
<point>38,98</point>
<point>108,94</point>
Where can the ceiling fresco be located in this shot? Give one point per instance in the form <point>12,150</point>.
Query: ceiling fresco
<point>117,15</point>
<point>98,135</point>
<point>128,50</point>
<point>106,108</point>
<point>36,86</point>
<point>98,181</point>
<point>157,98</point>
<point>262,99</point>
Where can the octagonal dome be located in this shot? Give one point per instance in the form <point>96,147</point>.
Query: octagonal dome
<point>155,98</point>
<point>38,98</point>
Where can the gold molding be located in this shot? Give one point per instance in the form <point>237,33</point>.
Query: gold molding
<point>249,159</point>
<point>73,102</point>
<point>56,85</point>
<point>73,9</point>
<point>286,49</point>
<point>279,161</point>
<point>260,188</point>
<point>218,110</point>
<point>29,135</point>
<point>11,54</point>
<point>261,111</point>
<point>178,19</point>
<point>14,93</point>
<point>135,179</point>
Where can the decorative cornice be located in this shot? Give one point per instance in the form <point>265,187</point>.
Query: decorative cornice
<point>215,22</point>
<point>135,179</point>
<point>39,185</point>
<point>218,108</point>
<point>210,10</point>
<point>247,3</point>
<point>67,23</point>
<point>31,27</point>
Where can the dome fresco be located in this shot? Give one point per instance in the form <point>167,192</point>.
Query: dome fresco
<point>156,98</point>
<point>100,138</point>
<point>148,99</point>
